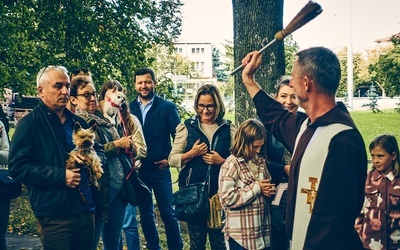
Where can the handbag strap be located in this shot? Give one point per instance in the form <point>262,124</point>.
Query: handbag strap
<point>127,152</point>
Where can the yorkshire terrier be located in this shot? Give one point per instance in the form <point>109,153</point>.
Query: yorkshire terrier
<point>111,103</point>
<point>84,141</point>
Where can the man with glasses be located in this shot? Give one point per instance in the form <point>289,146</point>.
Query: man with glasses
<point>62,200</point>
<point>159,119</point>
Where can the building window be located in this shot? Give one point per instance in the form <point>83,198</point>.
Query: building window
<point>202,50</point>
<point>193,50</point>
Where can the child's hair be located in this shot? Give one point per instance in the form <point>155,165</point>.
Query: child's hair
<point>389,144</point>
<point>247,133</point>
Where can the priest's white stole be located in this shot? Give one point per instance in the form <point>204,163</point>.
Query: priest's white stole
<point>310,172</point>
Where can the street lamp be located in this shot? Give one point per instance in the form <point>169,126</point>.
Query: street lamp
<point>350,64</point>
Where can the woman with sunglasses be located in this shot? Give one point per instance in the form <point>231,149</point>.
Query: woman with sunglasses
<point>201,141</point>
<point>110,216</point>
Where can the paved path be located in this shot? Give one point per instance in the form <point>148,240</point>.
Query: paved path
<point>24,242</point>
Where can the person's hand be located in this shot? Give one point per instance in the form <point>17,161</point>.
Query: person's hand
<point>124,142</point>
<point>72,177</point>
<point>199,148</point>
<point>267,188</point>
<point>213,158</point>
<point>163,164</point>
<point>251,62</point>
<point>286,168</point>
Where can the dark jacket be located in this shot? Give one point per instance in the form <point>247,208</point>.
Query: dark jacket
<point>160,123</point>
<point>343,176</point>
<point>196,169</point>
<point>37,158</point>
<point>276,162</point>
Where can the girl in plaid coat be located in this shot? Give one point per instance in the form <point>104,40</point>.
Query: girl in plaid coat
<point>245,190</point>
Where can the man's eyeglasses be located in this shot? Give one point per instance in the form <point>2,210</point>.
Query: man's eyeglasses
<point>87,96</point>
<point>209,107</point>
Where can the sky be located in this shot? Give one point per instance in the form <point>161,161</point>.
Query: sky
<point>342,22</point>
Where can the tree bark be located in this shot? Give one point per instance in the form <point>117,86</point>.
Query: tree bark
<point>255,23</point>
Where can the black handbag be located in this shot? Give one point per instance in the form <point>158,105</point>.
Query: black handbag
<point>8,186</point>
<point>134,191</point>
<point>191,201</point>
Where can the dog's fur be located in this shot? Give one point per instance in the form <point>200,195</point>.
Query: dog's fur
<point>84,141</point>
<point>109,106</point>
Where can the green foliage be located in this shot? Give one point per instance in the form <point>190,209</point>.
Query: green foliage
<point>228,88</point>
<point>291,49</point>
<point>219,70</point>
<point>373,100</point>
<point>22,220</point>
<point>108,37</point>
<point>168,62</point>
<point>166,90</point>
<point>357,68</point>
<point>386,70</point>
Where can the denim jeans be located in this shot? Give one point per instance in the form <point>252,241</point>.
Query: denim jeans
<point>130,228</point>
<point>159,181</point>
<point>4,214</point>
<point>111,230</point>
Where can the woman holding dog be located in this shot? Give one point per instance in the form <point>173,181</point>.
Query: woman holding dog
<point>83,98</point>
<point>201,141</point>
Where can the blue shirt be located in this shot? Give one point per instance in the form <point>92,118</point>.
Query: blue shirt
<point>145,108</point>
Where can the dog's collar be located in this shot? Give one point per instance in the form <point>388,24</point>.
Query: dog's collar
<point>113,104</point>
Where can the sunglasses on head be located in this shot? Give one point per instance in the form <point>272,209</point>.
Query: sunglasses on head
<point>77,71</point>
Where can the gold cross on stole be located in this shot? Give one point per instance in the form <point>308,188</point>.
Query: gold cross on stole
<point>311,193</point>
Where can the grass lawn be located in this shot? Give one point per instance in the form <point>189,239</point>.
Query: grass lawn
<point>373,124</point>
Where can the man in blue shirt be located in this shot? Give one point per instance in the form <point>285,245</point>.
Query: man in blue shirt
<point>159,119</point>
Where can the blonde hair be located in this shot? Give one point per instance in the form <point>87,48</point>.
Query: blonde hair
<point>247,133</point>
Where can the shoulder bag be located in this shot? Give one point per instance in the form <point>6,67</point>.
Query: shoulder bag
<point>191,201</point>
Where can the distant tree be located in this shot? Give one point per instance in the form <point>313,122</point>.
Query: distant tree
<point>255,24</point>
<point>167,63</point>
<point>386,71</point>
<point>358,63</point>
<point>373,100</point>
<point>219,71</point>
<point>108,37</point>
<point>291,48</point>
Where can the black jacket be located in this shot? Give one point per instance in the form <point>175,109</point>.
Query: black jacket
<point>196,169</point>
<point>37,159</point>
<point>158,128</point>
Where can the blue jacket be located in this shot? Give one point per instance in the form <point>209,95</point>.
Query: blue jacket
<point>159,127</point>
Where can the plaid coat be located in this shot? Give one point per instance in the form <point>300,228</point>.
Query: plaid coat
<point>247,210</point>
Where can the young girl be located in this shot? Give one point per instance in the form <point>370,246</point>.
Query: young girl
<point>244,184</point>
<point>379,222</point>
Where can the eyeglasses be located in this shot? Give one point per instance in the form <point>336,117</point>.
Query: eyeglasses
<point>209,107</point>
<point>87,96</point>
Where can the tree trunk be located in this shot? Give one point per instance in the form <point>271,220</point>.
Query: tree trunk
<point>255,23</point>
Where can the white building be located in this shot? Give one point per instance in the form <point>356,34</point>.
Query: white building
<point>200,54</point>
